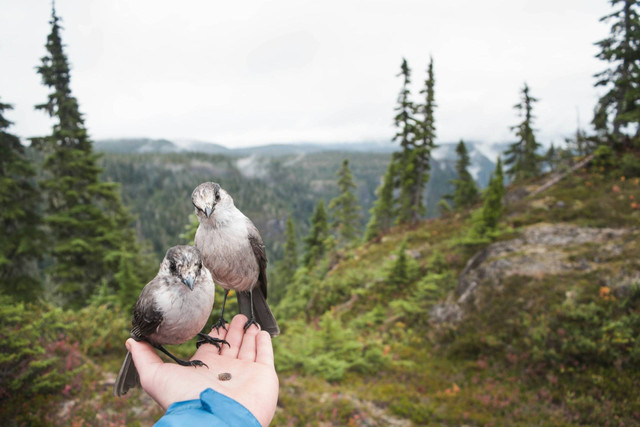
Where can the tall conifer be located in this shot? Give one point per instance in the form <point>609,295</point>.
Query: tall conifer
<point>620,105</point>
<point>406,136</point>
<point>21,238</point>
<point>522,157</point>
<point>88,224</point>
<point>383,212</point>
<point>492,207</point>
<point>315,241</point>
<point>425,142</point>
<point>290,260</point>
<point>345,208</point>
<point>465,191</point>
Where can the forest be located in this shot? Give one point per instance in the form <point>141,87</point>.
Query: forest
<point>411,288</point>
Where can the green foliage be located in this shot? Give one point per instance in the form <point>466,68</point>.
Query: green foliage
<point>32,356</point>
<point>329,351</point>
<point>402,270</point>
<point>485,221</point>
<point>286,267</point>
<point>383,212</point>
<point>315,245</point>
<point>521,158</point>
<point>20,221</point>
<point>630,165</point>
<point>465,193</point>
<point>620,105</point>
<point>603,158</point>
<point>344,207</point>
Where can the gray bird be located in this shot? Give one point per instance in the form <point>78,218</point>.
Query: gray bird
<point>171,309</point>
<point>233,251</point>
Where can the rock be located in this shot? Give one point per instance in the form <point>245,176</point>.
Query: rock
<point>543,249</point>
<point>445,313</point>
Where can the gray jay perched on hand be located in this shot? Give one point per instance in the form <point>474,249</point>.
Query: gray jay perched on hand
<point>172,309</point>
<point>233,251</point>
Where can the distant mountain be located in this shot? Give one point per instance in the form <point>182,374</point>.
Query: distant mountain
<point>146,145</point>
<point>482,154</point>
<point>136,145</point>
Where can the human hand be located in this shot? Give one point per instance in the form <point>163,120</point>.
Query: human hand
<point>248,358</point>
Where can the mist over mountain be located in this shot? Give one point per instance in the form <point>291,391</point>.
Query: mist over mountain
<point>157,177</point>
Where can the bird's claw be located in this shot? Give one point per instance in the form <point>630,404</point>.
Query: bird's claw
<point>206,339</point>
<point>250,322</point>
<point>198,363</point>
<point>220,324</point>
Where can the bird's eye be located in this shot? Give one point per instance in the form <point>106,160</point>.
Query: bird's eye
<point>200,266</point>
<point>173,267</point>
<point>217,196</point>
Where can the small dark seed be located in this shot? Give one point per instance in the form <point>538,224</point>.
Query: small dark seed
<point>225,376</point>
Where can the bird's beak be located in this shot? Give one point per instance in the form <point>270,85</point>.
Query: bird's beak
<point>208,211</point>
<point>189,280</point>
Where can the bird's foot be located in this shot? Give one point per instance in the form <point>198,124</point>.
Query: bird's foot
<point>250,322</point>
<point>206,339</point>
<point>191,363</point>
<point>221,323</point>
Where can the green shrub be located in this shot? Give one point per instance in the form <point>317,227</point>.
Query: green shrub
<point>630,165</point>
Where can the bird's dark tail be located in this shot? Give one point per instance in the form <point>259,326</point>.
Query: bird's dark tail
<point>127,377</point>
<point>261,310</point>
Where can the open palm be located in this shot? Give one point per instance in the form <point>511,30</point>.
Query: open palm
<point>248,359</point>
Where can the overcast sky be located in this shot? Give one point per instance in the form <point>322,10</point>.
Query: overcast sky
<point>245,73</point>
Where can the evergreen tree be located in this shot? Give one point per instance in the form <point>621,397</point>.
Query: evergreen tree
<point>465,191</point>
<point>285,269</point>
<point>620,105</point>
<point>406,135</point>
<point>290,260</point>
<point>383,212</point>
<point>522,158</point>
<point>420,158</point>
<point>315,241</point>
<point>22,237</point>
<point>399,272</point>
<point>88,223</point>
<point>492,207</point>
<point>345,208</point>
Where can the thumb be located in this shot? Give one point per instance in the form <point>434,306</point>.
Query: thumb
<point>144,357</point>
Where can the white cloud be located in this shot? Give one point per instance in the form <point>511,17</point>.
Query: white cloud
<point>255,72</point>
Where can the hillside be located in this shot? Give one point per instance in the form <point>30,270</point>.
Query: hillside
<point>536,326</point>
<point>539,327</point>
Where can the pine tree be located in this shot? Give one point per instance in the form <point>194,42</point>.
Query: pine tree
<point>88,223</point>
<point>20,222</point>
<point>285,269</point>
<point>345,208</point>
<point>383,212</point>
<point>406,136</point>
<point>289,262</point>
<point>398,274</point>
<point>465,191</point>
<point>620,105</point>
<point>315,241</point>
<point>425,142</point>
<point>521,156</point>
<point>492,207</point>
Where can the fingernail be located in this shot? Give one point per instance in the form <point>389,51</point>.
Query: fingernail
<point>128,345</point>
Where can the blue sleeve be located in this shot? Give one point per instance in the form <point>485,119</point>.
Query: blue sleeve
<point>212,409</point>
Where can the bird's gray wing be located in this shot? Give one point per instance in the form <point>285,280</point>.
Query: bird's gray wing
<point>261,256</point>
<point>146,316</point>
<point>263,314</point>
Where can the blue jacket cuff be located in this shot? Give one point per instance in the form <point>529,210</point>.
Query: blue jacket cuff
<point>212,409</point>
